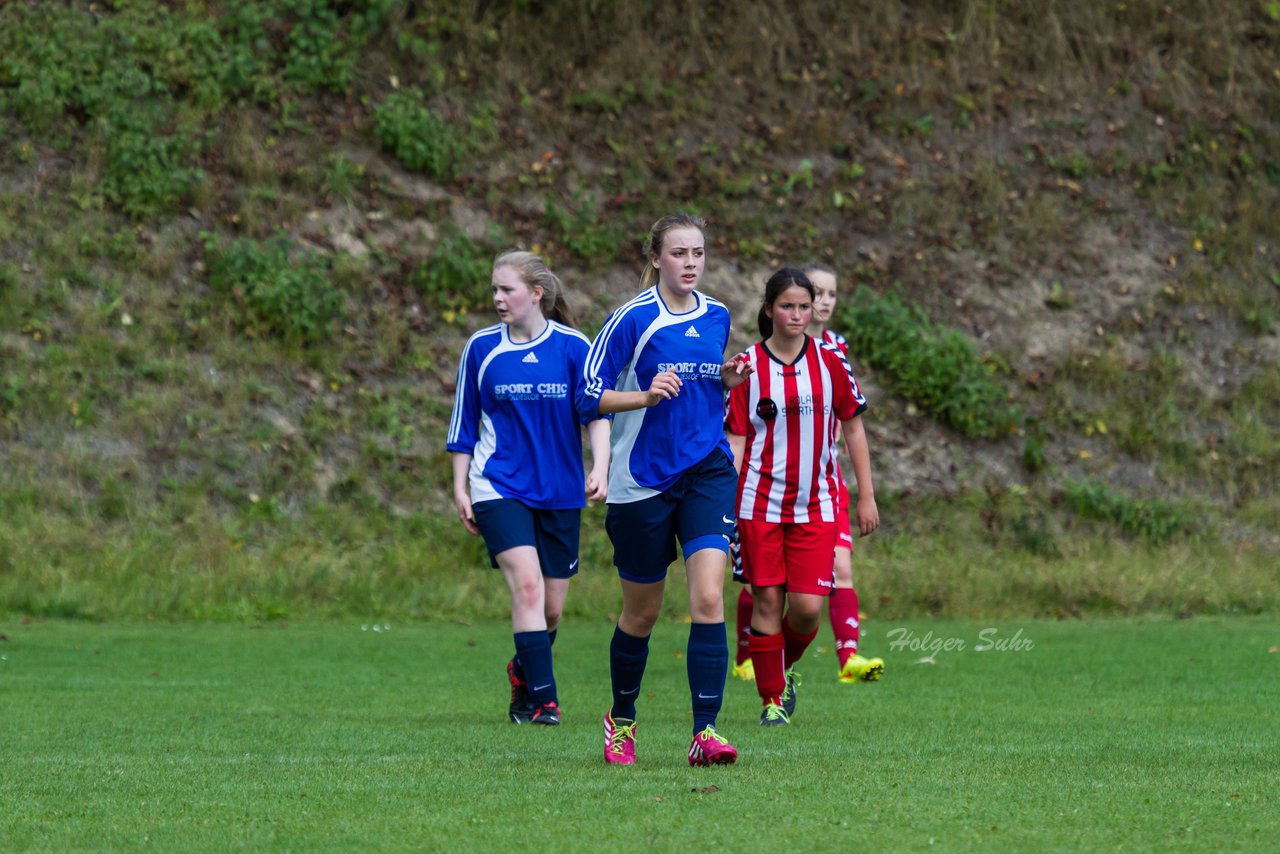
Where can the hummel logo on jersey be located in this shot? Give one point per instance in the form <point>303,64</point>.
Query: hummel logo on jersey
<point>691,332</point>
<point>530,359</point>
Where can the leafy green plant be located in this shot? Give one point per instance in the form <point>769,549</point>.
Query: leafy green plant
<point>455,279</point>
<point>935,366</point>
<point>1059,298</point>
<point>1073,164</point>
<point>147,171</point>
<point>1034,445</point>
<point>801,176</point>
<point>582,231</point>
<point>416,135</point>
<point>8,279</point>
<point>273,289</point>
<point>1158,521</point>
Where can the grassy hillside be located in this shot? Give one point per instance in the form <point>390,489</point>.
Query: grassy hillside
<point>241,244</point>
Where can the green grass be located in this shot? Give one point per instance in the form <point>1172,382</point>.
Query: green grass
<point>987,555</point>
<point>332,736</point>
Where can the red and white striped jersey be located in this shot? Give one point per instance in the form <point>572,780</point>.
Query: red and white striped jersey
<point>790,415</point>
<point>830,336</point>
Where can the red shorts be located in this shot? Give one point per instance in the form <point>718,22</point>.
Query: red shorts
<point>844,532</point>
<point>797,555</point>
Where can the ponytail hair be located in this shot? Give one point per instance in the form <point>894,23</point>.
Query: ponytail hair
<point>785,278</point>
<point>658,233</point>
<point>533,271</point>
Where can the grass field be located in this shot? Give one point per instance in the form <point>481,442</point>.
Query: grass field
<point>1137,733</point>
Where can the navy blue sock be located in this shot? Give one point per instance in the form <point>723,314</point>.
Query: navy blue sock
<point>533,651</point>
<point>515,659</point>
<point>707,661</point>
<point>627,657</point>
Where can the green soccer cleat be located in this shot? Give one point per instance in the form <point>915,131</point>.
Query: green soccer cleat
<point>746,671</point>
<point>859,669</point>
<point>774,715</point>
<point>789,693</point>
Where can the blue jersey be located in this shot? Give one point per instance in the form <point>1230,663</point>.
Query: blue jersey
<point>652,447</point>
<point>516,412</point>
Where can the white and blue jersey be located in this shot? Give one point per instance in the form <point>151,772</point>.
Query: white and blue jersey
<point>652,447</point>
<point>516,412</point>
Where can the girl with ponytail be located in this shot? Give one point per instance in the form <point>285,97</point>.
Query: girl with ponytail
<point>518,481</point>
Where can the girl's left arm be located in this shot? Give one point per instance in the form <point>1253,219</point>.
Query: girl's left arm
<point>855,441</point>
<point>598,476</point>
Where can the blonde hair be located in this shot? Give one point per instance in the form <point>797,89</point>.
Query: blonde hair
<point>658,233</point>
<point>533,271</point>
<point>818,267</point>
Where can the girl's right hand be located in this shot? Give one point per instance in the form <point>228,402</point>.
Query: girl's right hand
<point>665,386</point>
<point>465,514</point>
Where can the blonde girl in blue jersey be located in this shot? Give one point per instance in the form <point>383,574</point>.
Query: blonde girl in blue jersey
<point>658,366</point>
<point>518,480</point>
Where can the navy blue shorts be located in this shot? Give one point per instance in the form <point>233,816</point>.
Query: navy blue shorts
<point>505,524</point>
<point>697,511</point>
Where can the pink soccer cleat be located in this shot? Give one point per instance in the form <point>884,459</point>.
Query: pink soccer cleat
<point>619,740</point>
<point>709,748</point>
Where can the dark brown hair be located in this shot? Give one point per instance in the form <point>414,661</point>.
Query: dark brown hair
<point>779,282</point>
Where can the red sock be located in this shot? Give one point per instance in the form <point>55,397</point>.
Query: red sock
<point>794,642</point>
<point>743,625</point>
<point>844,622</point>
<point>766,657</point>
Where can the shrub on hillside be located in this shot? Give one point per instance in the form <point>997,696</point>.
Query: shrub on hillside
<point>936,367</point>
<point>416,135</point>
<point>455,279</point>
<point>1158,521</point>
<point>274,290</point>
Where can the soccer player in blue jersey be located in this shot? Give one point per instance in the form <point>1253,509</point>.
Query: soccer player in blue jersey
<point>518,481</point>
<point>658,365</point>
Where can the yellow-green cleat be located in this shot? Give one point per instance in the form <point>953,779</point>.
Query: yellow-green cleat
<point>859,669</point>
<point>746,671</point>
<point>774,715</point>
<point>789,693</point>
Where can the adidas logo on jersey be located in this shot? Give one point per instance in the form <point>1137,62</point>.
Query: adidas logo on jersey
<point>530,359</point>
<point>691,332</point>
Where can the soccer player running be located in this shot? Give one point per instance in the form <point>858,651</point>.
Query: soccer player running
<point>851,667</point>
<point>782,427</point>
<point>658,364</point>
<point>518,481</point>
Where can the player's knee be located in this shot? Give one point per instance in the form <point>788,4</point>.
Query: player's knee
<point>804,612</point>
<point>553,618</point>
<point>527,595</point>
<point>706,610</point>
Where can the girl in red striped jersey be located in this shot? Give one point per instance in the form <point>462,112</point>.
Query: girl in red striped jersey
<point>782,427</point>
<point>851,666</point>
<point>843,605</point>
